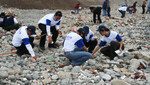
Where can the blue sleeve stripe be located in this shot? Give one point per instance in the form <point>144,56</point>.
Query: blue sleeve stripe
<point>48,22</point>
<point>58,23</point>
<point>80,43</point>
<point>91,36</point>
<point>26,41</point>
<point>63,42</point>
<point>102,43</point>
<point>118,37</point>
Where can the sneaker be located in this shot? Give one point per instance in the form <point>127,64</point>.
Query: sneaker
<point>52,46</point>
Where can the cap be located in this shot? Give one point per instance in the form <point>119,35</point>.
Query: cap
<point>101,28</point>
<point>80,30</point>
<point>86,29</point>
<point>32,29</point>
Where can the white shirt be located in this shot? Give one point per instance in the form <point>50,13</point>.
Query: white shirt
<point>18,37</point>
<point>89,36</point>
<point>71,39</point>
<point>49,20</point>
<point>122,8</point>
<point>112,37</point>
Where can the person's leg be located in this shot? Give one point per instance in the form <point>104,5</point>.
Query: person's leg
<point>78,57</point>
<point>12,27</point>
<point>149,9</point>
<point>77,11</point>
<point>43,33</point>
<point>123,14</point>
<point>99,19</point>
<point>54,33</point>
<point>104,12</point>
<point>113,47</point>
<point>108,12</point>
<point>105,51</point>
<point>92,45</point>
<point>143,9</point>
<point>94,17</point>
<point>54,37</point>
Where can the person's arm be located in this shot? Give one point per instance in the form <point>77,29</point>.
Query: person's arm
<point>95,50</point>
<point>121,44</point>
<point>102,43</point>
<point>48,26</point>
<point>118,37</point>
<point>84,47</point>
<point>80,44</point>
<point>28,46</point>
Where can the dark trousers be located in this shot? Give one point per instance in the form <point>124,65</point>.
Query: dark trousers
<point>11,27</point>
<point>43,38</point>
<point>123,13</point>
<point>98,16</point>
<point>22,49</point>
<point>91,45</point>
<point>143,8</point>
<point>108,12</point>
<point>110,50</point>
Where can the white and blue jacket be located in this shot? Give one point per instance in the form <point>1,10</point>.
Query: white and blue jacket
<point>89,36</point>
<point>49,20</point>
<point>72,40</point>
<point>113,36</point>
<point>21,36</point>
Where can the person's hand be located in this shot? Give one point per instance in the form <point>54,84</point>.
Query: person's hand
<point>33,59</point>
<point>50,39</point>
<point>120,49</point>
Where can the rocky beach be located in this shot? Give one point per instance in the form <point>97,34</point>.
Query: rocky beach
<point>131,69</point>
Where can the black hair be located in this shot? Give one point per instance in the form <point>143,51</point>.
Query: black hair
<point>81,31</point>
<point>3,14</point>
<point>107,29</point>
<point>58,13</point>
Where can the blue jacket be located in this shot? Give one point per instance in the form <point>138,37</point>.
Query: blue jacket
<point>105,4</point>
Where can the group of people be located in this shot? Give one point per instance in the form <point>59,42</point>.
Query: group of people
<point>79,45</point>
<point>24,36</point>
<point>132,9</point>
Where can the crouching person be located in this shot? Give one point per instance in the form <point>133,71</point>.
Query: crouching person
<point>23,41</point>
<point>89,39</point>
<point>76,55</point>
<point>113,39</point>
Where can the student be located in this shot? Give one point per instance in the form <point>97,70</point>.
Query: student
<point>97,11</point>
<point>122,10</point>
<point>143,6</point>
<point>113,39</point>
<point>76,55</point>
<point>23,41</point>
<point>89,39</point>
<point>104,8</point>
<point>49,25</point>
<point>10,22</point>
<point>134,6</point>
<point>148,7</point>
<point>76,8</point>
